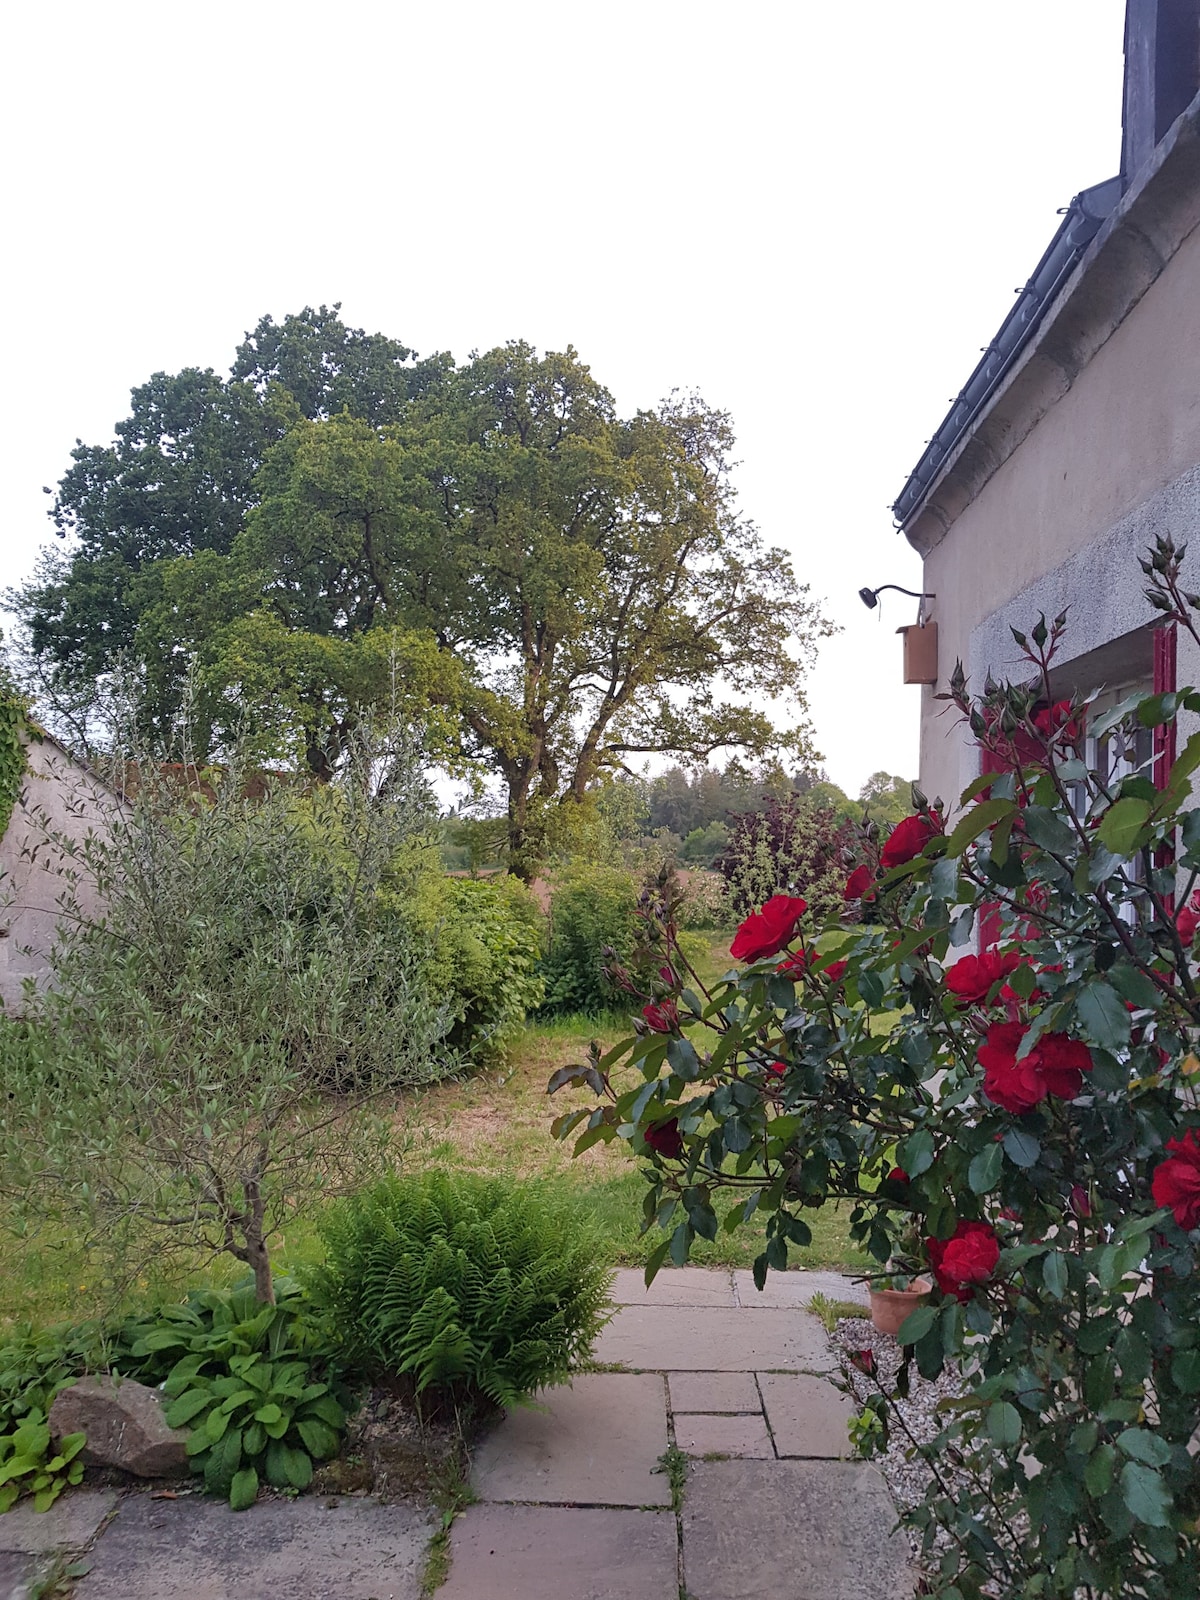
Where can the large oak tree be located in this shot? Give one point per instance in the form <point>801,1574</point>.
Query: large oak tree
<point>566,587</point>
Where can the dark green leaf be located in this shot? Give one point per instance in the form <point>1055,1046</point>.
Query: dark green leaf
<point>1145,1446</point>
<point>1102,1012</point>
<point>1004,1424</point>
<point>1100,1471</point>
<point>984,1172</point>
<point>1122,825</point>
<point>1145,1494</point>
<point>1185,1371</point>
<point>243,1490</point>
<point>1054,1274</point>
<point>917,1324</point>
<point>1021,1147</point>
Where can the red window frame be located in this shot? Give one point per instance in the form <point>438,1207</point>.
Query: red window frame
<point>1165,642</point>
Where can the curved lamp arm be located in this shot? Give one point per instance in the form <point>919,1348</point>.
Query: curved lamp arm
<point>870,597</point>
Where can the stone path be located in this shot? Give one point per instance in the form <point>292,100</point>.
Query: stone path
<point>575,1499</point>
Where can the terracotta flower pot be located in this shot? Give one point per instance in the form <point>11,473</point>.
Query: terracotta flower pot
<point>889,1307</point>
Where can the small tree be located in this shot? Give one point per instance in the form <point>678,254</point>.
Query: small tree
<point>215,1046</point>
<point>793,845</point>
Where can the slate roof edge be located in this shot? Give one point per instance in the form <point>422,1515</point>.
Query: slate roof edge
<point>1130,250</point>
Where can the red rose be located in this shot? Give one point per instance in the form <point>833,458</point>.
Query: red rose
<point>972,978</point>
<point>1176,1181</point>
<point>864,1360</point>
<point>967,1257</point>
<point>908,838</point>
<point>663,1017</point>
<point>1054,1066</point>
<point>1015,1085</point>
<point>665,1138</point>
<point>835,971</point>
<point>1056,725</point>
<point>1188,920</point>
<point>857,884</point>
<point>1062,1063</point>
<point>777,1067</point>
<point>1080,1201</point>
<point>766,932</point>
<point>898,1175</point>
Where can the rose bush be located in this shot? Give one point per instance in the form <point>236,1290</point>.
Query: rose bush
<point>1035,1122</point>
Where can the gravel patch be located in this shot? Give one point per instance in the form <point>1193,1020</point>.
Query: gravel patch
<point>907,1475</point>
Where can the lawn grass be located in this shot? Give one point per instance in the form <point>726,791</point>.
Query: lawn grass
<point>497,1121</point>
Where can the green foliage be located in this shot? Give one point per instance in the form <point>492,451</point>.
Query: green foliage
<point>485,953</point>
<point>703,846</point>
<point>34,1366</point>
<point>474,842</point>
<point>594,931</point>
<point>252,1383</point>
<point>1028,1128</point>
<point>468,1287</point>
<point>31,1465</point>
<point>885,798</point>
<point>215,1040</point>
<point>13,712</point>
<point>791,845</point>
<point>178,481</point>
<point>498,525</point>
<point>704,903</point>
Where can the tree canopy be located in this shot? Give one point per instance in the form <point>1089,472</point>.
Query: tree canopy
<point>492,546</point>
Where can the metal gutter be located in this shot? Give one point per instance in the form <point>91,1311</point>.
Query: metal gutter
<point>1081,222</point>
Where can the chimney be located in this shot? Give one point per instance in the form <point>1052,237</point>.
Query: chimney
<point>1162,75</point>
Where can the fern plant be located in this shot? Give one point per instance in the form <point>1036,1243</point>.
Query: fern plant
<point>467,1287</point>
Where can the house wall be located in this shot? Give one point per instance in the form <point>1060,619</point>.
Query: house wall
<point>59,799</point>
<point>1062,521</point>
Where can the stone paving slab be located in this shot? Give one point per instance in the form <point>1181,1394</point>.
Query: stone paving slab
<point>667,1339</point>
<point>70,1522</point>
<point>17,1573</point>
<point>593,1442</point>
<point>674,1286</point>
<point>791,1530</point>
<point>546,1553</point>
<point>808,1416</point>
<point>713,1391</point>
<point>306,1549</point>
<point>783,1290</point>
<point>745,1436</point>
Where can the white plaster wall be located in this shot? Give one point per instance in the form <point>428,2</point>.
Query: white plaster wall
<point>1063,520</point>
<point>58,798</point>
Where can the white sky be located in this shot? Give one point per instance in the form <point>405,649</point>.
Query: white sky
<point>815,214</point>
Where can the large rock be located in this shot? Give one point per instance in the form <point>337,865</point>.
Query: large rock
<point>125,1427</point>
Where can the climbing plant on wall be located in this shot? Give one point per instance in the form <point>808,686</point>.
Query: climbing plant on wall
<point>12,753</point>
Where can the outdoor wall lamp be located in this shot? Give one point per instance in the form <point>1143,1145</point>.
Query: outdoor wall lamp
<point>920,639</point>
<point>870,597</point>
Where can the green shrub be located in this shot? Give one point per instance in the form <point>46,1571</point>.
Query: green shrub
<point>34,1366</point>
<point>594,926</point>
<point>466,1286</point>
<point>251,1381</point>
<point>704,904</point>
<point>486,939</point>
<point>217,1044</point>
<point>792,844</point>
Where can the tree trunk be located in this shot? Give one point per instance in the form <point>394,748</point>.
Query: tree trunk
<point>264,1283</point>
<point>258,1257</point>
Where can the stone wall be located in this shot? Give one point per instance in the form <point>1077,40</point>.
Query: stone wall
<point>59,799</point>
